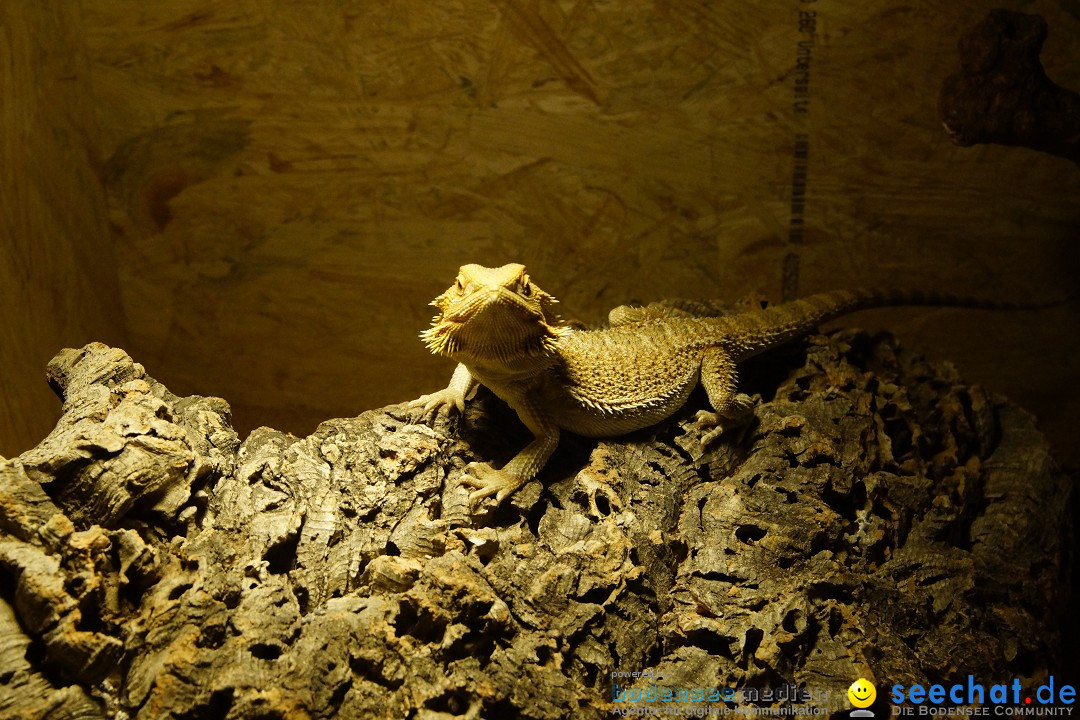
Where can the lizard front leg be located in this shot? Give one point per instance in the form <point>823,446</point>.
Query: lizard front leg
<point>461,388</point>
<point>526,464</point>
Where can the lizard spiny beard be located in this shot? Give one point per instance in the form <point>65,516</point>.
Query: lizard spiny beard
<point>493,335</point>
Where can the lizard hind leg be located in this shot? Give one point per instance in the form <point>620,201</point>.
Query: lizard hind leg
<point>730,407</point>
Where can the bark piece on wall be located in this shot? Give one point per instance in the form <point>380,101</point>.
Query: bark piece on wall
<point>1002,93</point>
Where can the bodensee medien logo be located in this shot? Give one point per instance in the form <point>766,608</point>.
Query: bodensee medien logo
<point>1007,699</point>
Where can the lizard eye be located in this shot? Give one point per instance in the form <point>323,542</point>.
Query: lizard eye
<point>458,285</point>
<point>526,288</point>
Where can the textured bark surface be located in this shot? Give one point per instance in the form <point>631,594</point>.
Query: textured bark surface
<point>878,518</point>
<point>1002,94</point>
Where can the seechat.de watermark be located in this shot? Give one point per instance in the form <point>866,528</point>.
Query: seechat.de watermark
<point>973,698</point>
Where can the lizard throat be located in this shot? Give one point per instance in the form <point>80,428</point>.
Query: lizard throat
<point>461,341</point>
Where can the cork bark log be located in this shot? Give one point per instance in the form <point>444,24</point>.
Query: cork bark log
<point>1002,93</point>
<point>878,517</point>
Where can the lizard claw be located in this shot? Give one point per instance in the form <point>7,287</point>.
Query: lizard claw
<point>711,424</point>
<point>436,401</point>
<point>715,424</point>
<point>489,481</point>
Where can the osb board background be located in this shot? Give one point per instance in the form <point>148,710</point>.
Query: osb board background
<point>289,183</point>
<point>57,279</point>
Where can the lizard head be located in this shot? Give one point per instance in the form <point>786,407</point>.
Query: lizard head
<point>493,314</point>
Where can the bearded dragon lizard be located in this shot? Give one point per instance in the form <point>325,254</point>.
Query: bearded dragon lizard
<point>503,331</point>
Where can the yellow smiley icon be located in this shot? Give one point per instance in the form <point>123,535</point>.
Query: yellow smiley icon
<point>861,693</point>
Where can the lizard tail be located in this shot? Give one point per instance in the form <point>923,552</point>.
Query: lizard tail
<point>750,333</point>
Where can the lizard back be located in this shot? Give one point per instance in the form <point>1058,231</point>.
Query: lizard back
<point>623,378</point>
<point>632,375</point>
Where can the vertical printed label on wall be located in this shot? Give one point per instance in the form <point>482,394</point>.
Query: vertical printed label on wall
<point>804,52</point>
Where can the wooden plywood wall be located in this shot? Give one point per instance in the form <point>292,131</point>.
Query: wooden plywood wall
<point>290,183</point>
<point>57,282</point>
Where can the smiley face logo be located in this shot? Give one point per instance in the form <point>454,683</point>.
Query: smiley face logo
<point>861,693</point>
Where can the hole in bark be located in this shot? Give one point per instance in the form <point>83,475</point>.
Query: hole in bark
<point>179,590</point>
<point>405,619</point>
<point>785,562</point>
<point>931,579</point>
<point>750,534</point>
<point>830,591</point>
<point>654,655</point>
<point>712,643</point>
<point>216,708</point>
<point>897,429</point>
<point>724,578</point>
<point>752,642</point>
<point>281,555</point>
<point>90,616</point>
<point>679,551</point>
<point>303,597</point>
<point>391,549</point>
<point>35,652</point>
<point>473,645</point>
<point>534,516</point>
<point>814,459</point>
<point>363,668</point>
<point>819,543</point>
<point>589,677</point>
<point>879,509</point>
<point>835,500</point>
<point>451,702</point>
<point>74,585</point>
<point>502,708</point>
<point>793,621</point>
<point>858,496</point>
<point>602,504</point>
<point>211,637</point>
<point>420,625</point>
<point>543,655</point>
<point>836,621</point>
<point>485,552</point>
<point>232,599</point>
<point>265,651</point>
<point>340,692</point>
<point>596,596</point>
